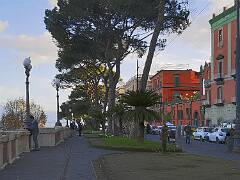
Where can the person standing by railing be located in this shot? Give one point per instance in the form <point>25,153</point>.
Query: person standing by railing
<point>34,132</point>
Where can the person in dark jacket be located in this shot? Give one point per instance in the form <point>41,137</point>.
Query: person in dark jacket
<point>188,133</point>
<point>72,126</point>
<point>34,130</point>
<point>79,128</point>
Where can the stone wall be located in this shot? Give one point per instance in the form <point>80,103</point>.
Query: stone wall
<point>14,143</point>
<point>226,113</point>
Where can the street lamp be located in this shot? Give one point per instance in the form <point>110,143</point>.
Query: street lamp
<point>70,111</point>
<point>236,146</point>
<point>56,84</point>
<point>27,65</point>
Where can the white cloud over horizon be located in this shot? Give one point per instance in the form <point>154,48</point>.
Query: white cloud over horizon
<point>40,48</point>
<point>53,3</point>
<point>3,25</point>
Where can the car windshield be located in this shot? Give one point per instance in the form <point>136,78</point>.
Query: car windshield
<point>225,130</point>
<point>210,130</point>
<point>206,129</point>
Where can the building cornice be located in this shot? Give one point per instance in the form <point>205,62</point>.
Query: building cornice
<point>225,17</point>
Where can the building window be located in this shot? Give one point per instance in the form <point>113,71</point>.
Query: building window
<point>173,111</point>
<point>220,93</point>
<point>188,112</point>
<point>220,38</point>
<point>176,96</point>
<point>208,95</point>
<point>203,87</point>
<point>180,113</point>
<point>220,68</point>
<point>177,81</point>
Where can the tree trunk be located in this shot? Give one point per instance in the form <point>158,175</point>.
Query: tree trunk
<point>141,132</point>
<point>103,126</point>
<point>120,126</point>
<point>153,44</point>
<point>152,47</point>
<point>113,80</point>
<point>133,134</point>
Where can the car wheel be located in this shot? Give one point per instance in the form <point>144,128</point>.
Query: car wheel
<point>217,140</point>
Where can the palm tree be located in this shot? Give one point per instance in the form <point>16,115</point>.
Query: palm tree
<point>140,103</point>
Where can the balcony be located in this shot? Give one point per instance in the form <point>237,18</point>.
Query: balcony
<point>206,103</point>
<point>234,100</point>
<point>207,83</point>
<point>233,73</point>
<point>219,102</point>
<point>219,79</point>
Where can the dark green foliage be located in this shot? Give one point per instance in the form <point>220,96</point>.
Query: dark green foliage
<point>91,34</point>
<point>141,103</point>
<point>140,99</point>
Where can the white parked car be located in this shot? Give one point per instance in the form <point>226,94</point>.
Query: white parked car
<point>201,133</point>
<point>218,135</point>
<point>156,129</point>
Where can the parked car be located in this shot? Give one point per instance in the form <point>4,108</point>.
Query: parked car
<point>201,133</point>
<point>218,135</point>
<point>156,130</point>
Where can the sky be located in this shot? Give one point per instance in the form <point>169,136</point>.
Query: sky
<point>23,34</point>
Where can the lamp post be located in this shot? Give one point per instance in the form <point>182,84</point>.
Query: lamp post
<point>27,65</point>
<point>56,84</point>
<point>70,110</point>
<point>137,75</point>
<point>236,146</point>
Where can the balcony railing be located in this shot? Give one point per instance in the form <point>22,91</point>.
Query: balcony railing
<point>207,83</point>
<point>219,102</point>
<point>233,73</point>
<point>219,78</point>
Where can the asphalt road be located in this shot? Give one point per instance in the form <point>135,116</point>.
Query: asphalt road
<point>203,148</point>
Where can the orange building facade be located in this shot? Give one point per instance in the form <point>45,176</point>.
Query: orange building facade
<point>178,88</point>
<point>171,84</point>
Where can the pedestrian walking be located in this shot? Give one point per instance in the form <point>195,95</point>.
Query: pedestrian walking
<point>172,136</point>
<point>230,140</point>
<point>72,126</point>
<point>34,131</point>
<point>164,137</point>
<point>178,131</point>
<point>148,128</point>
<point>79,128</point>
<point>188,133</point>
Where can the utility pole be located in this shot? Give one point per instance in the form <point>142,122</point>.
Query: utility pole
<point>236,146</point>
<point>137,74</point>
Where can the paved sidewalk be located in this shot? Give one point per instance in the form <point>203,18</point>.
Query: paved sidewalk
<point>68,161</point>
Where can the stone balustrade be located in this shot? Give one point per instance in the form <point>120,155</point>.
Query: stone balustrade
<point>14,143</point>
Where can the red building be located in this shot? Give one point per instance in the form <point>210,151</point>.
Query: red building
<point>172,84</point>
<point>219,93</point>
<point>178,89</point>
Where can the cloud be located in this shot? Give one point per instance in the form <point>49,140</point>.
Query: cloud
<point>53,3</point>
<point>40,48</point>
<point>7,92</point>
<point>198,34</point>
<point>3,25</point>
